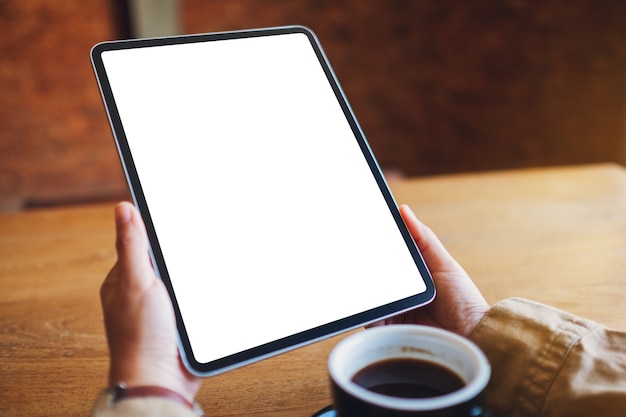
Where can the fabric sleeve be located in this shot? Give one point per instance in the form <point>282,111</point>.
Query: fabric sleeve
<point>139,407</point>
<point>549,363</point>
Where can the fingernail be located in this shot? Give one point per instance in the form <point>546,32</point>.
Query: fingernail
<point>407,208</point>
<point>408,211</point>
<point>122,214</point>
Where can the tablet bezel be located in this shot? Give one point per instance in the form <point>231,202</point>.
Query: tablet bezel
<point>299,339</point>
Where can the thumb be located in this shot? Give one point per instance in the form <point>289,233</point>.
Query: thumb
<point>132,247</point>
<point>435,255</point>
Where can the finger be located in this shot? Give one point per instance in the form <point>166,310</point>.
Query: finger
<point>132,246</point>
<point>435,254</point>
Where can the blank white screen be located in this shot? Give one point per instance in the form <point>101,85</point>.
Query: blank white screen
<point>269,219</point>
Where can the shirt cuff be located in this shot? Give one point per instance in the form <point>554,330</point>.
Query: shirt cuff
<point>527,344</point>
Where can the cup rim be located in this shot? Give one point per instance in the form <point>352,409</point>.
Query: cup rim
<point>472,389</point>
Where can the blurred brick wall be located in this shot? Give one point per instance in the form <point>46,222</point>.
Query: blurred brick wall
<point>55,142</point>
<point>448,86</point>
<point>438,86</point>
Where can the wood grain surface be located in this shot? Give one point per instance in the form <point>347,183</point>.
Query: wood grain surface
<point>555,235</point>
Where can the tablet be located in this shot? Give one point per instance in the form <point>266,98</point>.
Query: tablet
<point>269,220</point>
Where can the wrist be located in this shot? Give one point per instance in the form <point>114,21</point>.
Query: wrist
<point>121,391</point>
<point>159,373</point>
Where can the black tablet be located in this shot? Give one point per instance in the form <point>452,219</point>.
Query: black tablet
<point>268,217</point>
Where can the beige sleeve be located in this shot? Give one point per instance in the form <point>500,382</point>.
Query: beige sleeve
<point>148,406</point>
<point>546,362</point>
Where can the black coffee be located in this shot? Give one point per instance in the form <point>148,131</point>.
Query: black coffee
<point>408,378</point>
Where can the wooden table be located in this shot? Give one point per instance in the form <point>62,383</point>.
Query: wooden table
<point>555,235</point>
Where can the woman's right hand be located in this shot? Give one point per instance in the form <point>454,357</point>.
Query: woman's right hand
<point>458,305</point>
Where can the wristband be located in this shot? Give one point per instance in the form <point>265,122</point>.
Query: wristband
<point>121,392</point>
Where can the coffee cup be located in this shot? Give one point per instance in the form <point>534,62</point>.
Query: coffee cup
<point>407,370</point>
